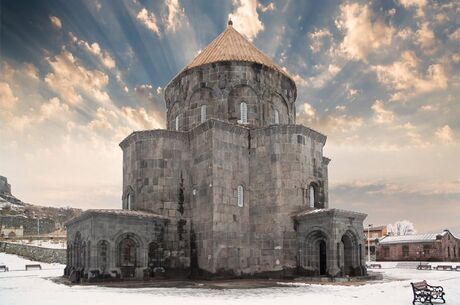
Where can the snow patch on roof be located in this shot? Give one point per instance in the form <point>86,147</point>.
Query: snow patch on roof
<point>429,237</point>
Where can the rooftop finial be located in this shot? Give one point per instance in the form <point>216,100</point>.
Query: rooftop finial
<point>230,22</point>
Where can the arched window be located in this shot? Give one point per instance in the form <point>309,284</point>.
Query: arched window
<point>177,122</point>
<point>128,255</point>
<point>129,201</point>
<point>312,192</point>
<point>203,113</point>
<point>243,113</point>
<point>240,196</point>
<point>277,117</point>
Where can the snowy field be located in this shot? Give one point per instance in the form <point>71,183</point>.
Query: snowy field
<point>34,287</point>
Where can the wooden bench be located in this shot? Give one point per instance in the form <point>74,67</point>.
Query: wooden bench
<point>425,293</point>
<point>444,267</point>
<point>424,267</point>
<point>372,266</point>
<point>33,266</point>
<point>4,268</point>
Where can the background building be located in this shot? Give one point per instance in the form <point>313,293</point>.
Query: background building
<point>372,235</point>
<point>423,247</point>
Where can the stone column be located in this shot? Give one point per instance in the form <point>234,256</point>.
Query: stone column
<point>332,262</point>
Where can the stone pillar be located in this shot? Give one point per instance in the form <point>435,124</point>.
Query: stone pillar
<point>332,263</point>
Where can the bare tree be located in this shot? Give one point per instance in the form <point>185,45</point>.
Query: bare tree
<point>402,227</point>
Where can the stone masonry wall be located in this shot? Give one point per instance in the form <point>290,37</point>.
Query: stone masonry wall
<point>283,164</point>
<point>154,169</point>
<point>112,229</point>
<point>30,225</point>
<point>39,254</point>
<point>222,87</point>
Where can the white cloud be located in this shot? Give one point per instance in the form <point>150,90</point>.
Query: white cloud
<point>455,35</point>
<point>149,20</point>
<point>403,77</point>
<point>418,4</point>
<point>51,110</point>
<point>428,108</point>
<point>69,79</point>
<point>145,92</point>
<point>308,110</point>
<point>426,38</point>
<point>299,80</point>
<point>56,22</point>
<point>7,98</point>
<point>409,3</point>
<point>246,19</point>
<point>269,7</point>
<point>341,107</point>
<point>94,49</point>
<point>332,125</point>
<point>382,115</point>
<point>327,73</point>
<point>445,134</point>
<point>175,14</point>
<point>317,39</point>
<point>120,122</point>
<point>364,34</point>
<point>31,71</point>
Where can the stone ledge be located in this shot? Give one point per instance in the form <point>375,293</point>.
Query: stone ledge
<point>116,213</point>
<point>215,123</point>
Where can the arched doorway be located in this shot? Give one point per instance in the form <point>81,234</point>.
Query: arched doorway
<point>347,255</point>
<point>322,258</point>
<point>316,252</point>
<point>351,255</point>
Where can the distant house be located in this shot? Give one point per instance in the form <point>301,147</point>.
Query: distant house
<point>424,247</point>
<point>11,232</point>
<point>372,235</point>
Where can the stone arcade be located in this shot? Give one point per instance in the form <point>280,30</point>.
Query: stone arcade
<point>233,187</point>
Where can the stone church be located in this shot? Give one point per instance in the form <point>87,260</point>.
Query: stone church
<point>232,188</point>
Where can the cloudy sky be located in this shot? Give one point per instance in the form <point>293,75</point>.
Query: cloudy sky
<point>381,79</point>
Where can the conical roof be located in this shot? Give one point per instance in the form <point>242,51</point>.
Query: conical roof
<point>230,45</point>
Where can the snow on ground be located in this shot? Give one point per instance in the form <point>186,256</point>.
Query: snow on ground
<point>35,287</point>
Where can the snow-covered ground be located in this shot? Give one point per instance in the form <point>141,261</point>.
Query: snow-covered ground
<point>34,287</point>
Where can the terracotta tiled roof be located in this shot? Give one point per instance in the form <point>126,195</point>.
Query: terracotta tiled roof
<point>230,45</point>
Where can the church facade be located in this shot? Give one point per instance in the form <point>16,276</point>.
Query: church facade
<point>232,188</point>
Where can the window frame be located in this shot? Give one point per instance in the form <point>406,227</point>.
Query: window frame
<point>243,112</point>
<point>311,196</point>
<point>277,117</point>
<point>240,196</point>
<point>176,123</point>
<point>203,113</point>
